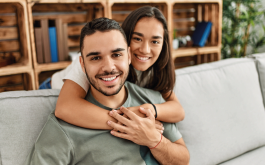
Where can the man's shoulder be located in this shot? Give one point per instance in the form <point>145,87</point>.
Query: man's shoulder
<point>52,129</point>
<point>146,94</point>
<point>54,124</point>
<point>58,125</point>
<point>138,88</point>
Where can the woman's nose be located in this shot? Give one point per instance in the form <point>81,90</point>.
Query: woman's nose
<point>145,48</point>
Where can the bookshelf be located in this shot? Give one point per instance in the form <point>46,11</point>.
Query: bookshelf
<point>15,46</point>
<point>19,38</point>
<point>74,13</point>
<point>185,15</point>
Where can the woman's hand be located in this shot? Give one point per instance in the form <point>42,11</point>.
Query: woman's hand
<point>145,106</point>
<point>136,110</point>
<point>159,126</point>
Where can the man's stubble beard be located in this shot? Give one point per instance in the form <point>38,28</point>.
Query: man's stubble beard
<point>93,83</point>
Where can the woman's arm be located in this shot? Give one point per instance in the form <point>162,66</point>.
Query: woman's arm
<point>74,109</point>
<point>170,111</point>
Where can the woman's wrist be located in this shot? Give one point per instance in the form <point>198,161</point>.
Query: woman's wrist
<point>155,110</point>
<point>151,107</point>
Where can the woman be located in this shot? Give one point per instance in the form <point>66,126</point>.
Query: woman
<point>147,35</point>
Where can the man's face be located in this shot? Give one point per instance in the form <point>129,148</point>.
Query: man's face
<point>106,61</point>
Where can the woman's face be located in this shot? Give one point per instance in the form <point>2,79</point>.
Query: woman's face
<point>146,43</point>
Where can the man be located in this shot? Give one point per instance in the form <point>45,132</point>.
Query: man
<point>105,60</point>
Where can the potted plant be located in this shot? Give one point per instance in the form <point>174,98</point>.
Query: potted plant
<point>240,19</point>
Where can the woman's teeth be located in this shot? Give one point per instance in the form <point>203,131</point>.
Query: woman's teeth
<point>143,58</point>
<point>109,79</point>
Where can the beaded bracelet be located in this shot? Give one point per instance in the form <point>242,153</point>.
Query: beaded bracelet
<point>158,142</point>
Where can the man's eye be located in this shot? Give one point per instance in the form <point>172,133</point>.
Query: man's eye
<point>116,55</point>
<point>95,58</point>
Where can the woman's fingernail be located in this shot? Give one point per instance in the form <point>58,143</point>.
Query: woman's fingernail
<point>109,122</point>
<point>110,113</point>
<point>141,108</point>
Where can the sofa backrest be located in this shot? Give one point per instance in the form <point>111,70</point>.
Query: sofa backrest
<point>224,110</point>
<point>222,100</point>
<point>260,61</point>
<point>22,116</point>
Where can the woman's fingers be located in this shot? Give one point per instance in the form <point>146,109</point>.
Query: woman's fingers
<point>118,127</point>
<point>159,126</point>
<point>119,117</point>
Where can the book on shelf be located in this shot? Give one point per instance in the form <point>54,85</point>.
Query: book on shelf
<point>60,39</point>
<point>65,41</point>
<point>53,41</point>
<point>201,33</point>
<point>38,42</point>
<point>51,38</point>
<point>45,40</point>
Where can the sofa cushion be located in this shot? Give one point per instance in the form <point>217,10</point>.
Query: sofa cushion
<point>22,116</point>
<point>260,60</point>
<point>224,110</point>
<point>252,157</point>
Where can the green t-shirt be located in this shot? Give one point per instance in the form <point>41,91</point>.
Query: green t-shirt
<point>61,143</point>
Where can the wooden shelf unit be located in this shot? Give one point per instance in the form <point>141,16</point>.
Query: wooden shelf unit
<point>15,43</point>
<point>180,14</point>
<point>73,12</point>
<point>185,15</point>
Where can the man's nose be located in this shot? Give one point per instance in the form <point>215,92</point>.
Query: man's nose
<point>108,65</point>
<point>145,48</point>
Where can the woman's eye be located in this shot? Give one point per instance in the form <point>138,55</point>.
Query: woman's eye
<point>95,58</point>
<point>155,42</point>
<point>137,39</point>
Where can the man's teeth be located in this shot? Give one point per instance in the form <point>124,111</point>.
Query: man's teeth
<point>109,79</point>
<point>143,58</point>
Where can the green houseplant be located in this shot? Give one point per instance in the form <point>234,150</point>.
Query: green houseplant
<point>241,18</point>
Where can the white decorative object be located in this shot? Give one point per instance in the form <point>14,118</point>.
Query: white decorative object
<point>175,44</point>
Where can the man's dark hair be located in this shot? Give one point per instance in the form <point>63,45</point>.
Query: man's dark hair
<point>100,24</point>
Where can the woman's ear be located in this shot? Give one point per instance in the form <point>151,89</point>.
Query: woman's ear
<point>82,63</point>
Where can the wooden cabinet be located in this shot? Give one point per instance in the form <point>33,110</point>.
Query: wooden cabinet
<point>185,15</point>
<point>17,36</point>
<point>15,47</point>
<point>74,14</point>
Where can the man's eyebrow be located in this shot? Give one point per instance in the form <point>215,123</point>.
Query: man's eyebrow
<point>154,37</point>
<point>117,50</point>
<point>92,54</point>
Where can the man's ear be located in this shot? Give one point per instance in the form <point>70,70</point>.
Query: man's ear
<point>82,63</point>
<point>129,55</point>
